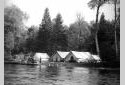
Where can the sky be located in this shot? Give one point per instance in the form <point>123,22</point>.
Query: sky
<point>67,8</point>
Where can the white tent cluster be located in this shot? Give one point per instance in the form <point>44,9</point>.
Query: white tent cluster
<point>61,56</point>
<point>75,56</point>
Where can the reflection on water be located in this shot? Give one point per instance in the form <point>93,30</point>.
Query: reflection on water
<point>59,75</point>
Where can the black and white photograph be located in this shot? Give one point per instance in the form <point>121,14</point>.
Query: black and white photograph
<point>61,42</point>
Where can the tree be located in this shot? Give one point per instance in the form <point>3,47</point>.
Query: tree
<point>14,18</point>
<point>59,37</point>
<point>31,40</point>
<point>106,39</point>
<point>13,23</point>
<point>45,29</point>
<point>78,34</point>
<point>96,4</point>
<point>8,44</point>
<point>117,20</point>
<point>83,26</point>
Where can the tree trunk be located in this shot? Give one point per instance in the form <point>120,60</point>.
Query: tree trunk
<point>97,45</point>
<point>97,27</point>
<point>116,47</point>
<point>79,39</point>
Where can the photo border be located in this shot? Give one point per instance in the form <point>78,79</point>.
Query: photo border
<point>122,42</point>
<point>1,42</point>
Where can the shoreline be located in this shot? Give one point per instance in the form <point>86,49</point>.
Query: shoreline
<point>102,65</point>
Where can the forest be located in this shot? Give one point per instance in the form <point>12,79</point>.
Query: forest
<point>100,37</point>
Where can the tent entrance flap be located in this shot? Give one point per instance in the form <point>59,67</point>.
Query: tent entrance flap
<point>72,59</point>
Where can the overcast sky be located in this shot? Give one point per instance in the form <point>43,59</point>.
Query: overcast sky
<point>67,8</point>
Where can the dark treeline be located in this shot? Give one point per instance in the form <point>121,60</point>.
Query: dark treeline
<point>52,35</point>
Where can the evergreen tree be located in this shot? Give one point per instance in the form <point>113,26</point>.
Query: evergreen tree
<point>44,32</point>
<point>59,36</point>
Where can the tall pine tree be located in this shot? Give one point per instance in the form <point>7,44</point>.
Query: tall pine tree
<point>44,32</point>
<point>59,36</point>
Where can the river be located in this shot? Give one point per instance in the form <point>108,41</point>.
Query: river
<point>59,75</point>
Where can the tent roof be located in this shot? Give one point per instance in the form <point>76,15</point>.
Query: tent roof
<point>82,55</point>
<point>62,54</point>
<point>41,55</point>
<point>96,57</point>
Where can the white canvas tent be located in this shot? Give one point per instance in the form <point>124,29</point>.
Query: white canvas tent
<point>59,56</point>
<point>62,54</point>
<point>44,57</point>
<point>96,58</point>
<point>78,56</point>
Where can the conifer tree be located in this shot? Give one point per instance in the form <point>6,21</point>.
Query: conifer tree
<point>44,32</point>
<point>59,36</point>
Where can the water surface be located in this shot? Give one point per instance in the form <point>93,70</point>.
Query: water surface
<point>59,75</point>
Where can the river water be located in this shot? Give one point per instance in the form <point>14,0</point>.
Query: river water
<point>59,75</point>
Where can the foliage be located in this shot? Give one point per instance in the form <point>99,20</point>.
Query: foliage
<point>96,3</point>
<point>32,33</point>
<point>106,39</point>
<point>78,34</point>
<point>13,24</point>
<point>59,38</point>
